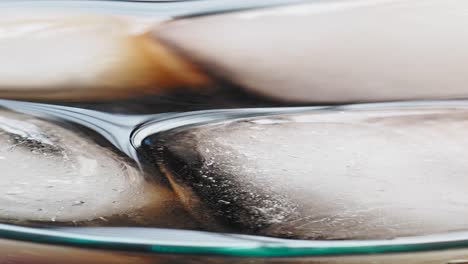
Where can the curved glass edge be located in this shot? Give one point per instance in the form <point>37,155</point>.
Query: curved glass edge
<point>164,123</point>
<point>165,8</point>
<point>244,246</point>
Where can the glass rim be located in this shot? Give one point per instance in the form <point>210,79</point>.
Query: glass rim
<point>233,245</point>
<point>144,8</point>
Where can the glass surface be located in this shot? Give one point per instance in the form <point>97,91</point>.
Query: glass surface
<point>169,8</point>
<point>24,252</point>
<point>173,241</point>
<point>166,241</point>
<point>127,133</point>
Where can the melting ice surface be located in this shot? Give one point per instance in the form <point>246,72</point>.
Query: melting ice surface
<point>56,172</point>
<point>361,172</point>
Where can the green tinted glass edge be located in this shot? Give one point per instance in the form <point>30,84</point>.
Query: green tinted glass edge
<point>265,249</point>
